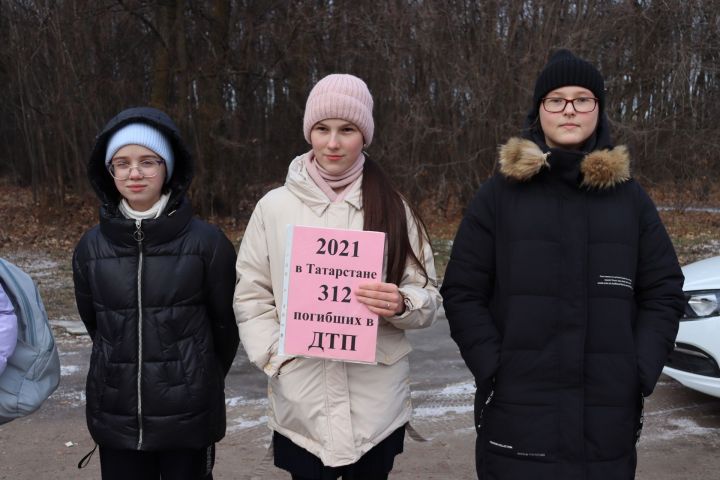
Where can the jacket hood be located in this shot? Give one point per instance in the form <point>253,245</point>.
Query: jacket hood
<point>521,159</point>
<point>100,178</point>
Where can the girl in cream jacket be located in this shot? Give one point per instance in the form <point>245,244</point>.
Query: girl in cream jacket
<point>333,418</point>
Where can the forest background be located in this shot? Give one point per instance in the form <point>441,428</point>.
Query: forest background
<point>451,80</point>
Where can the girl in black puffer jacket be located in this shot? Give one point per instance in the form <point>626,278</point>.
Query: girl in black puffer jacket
<point>154,288</point>
<point>563,293</point>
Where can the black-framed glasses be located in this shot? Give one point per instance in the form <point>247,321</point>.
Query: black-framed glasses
<point>147,168</point>
<point>580,104</point>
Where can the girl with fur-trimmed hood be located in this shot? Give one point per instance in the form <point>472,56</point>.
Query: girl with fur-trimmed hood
<point>563,292</point>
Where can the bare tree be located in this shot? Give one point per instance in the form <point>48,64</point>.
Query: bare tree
<point>451,80</point>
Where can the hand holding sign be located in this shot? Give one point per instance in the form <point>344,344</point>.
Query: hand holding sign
<point>381,298</point>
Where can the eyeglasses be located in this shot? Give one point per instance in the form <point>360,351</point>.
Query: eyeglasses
<point>147,168</point>
<point>581,104</point>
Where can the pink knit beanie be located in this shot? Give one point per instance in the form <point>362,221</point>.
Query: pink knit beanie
<point>340,96</point>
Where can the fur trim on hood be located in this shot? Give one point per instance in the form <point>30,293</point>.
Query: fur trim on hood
<point>521,159</point>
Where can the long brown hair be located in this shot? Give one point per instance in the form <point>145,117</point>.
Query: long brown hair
<point>384,211</point>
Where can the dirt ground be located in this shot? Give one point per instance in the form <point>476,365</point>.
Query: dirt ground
<point>680,439</point>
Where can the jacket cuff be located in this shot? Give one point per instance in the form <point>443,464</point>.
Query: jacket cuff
<point>412,302</point>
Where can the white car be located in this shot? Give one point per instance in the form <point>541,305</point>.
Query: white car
<point>694,362</point>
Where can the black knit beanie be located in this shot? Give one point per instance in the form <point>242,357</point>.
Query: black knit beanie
<point>564,69</point>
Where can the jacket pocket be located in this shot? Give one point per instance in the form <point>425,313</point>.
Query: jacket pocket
<point>298,397</point>
<point>481,402</point>
<point>526,432</point>
<point>191,374</point>
<point>98,374</point>
<point>289,366</point>
<point>641,419</point>
<point>391,348</point>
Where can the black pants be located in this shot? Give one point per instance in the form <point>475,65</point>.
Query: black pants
<point>165,465</point>
<point>376,464</point>
<point>345,477</point>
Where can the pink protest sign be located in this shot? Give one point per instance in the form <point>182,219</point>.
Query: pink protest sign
<point>320,315</point>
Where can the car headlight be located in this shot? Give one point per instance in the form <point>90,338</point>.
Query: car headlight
<point>702,304</point>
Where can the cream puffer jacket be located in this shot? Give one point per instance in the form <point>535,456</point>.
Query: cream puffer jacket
<point>336,410</point>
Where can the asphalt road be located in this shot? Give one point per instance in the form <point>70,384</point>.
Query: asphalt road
<point>680,439</point>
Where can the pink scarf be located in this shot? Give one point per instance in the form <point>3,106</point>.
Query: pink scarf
<point>329,182</point>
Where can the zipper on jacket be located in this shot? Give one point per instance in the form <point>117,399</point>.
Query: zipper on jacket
<point>482,410</point>
<point>138,235</point>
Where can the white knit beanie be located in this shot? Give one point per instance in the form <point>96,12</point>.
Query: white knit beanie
<point>340,96</point>
<point>146,136</point>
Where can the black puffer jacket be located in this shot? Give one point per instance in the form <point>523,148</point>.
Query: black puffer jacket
<point>563,293</point>
<point>157,302</point>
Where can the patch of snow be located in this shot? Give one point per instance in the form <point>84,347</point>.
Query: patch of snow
<point>76,398</point>
<point>67,370</point>
<point>441,410</point>
<point>242,401</point>
<point>241,423</point>
<point>457,399</point>
<point>458,389</point>
<point>680,428</point>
